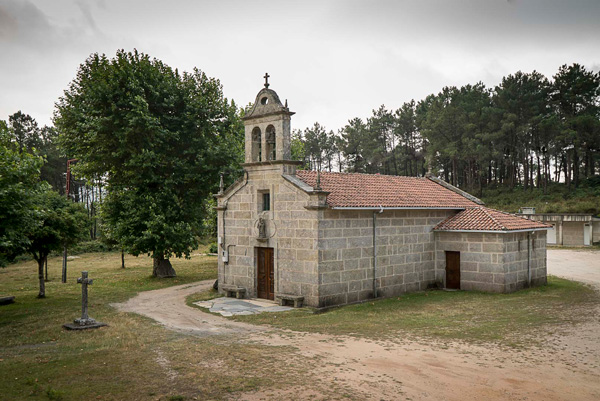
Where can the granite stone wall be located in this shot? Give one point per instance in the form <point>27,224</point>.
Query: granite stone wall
<point>404,249</point>
<point>481,259</point>
<point>515,259</point>
<point>493,262</point>
<point>291,228</point>
<point>327,255</point>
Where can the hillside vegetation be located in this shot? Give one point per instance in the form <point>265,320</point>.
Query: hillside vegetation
<point>558,198</point>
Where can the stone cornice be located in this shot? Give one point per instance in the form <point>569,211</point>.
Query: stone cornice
<point>272,162</point>
<point>274,113</point>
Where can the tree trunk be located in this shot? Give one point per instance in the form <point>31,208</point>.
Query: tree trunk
<point>46,267</point>
<point>538,178</point>
<point>162,267</point>
<point>575,167</point>
<point>42,293</point>
<point>526,172</point>
<point>567,168</point>
<point>123,259</point>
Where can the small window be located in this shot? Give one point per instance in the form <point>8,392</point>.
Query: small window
<point>266,201</point>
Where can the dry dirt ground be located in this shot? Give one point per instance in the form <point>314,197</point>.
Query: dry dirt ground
<point>566,368</point>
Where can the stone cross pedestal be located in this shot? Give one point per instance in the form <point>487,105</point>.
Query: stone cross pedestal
<point>85,322</point>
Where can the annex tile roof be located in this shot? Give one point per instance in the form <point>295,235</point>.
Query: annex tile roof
<point>355,190</point>
<point>485,219</point>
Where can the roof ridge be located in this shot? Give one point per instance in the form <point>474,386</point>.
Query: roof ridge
<point>487,212</point>
<point>454,189</point>
<point>357,173</point>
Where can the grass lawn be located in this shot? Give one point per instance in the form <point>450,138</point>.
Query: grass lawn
<point>508,319</point>
<point>132,359</point>
<point>137,359</point>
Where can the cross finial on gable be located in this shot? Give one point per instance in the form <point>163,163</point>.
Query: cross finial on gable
<point>267,80</point>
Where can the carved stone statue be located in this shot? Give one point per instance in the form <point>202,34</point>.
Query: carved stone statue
<point>262,228</point>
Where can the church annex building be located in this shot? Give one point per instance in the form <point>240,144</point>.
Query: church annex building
<point>335,238</point>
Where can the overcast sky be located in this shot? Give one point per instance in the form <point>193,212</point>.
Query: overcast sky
<point>332,60</point>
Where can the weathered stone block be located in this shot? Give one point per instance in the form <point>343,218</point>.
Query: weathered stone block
<point>355,286</point>
<point>359,242</point>
<point>332,277</point>
<point>351,264</point>
<point>333,288</point>
<point>332,300</point>
<point>331,266</point>
<point>328,255</point>
<point>351,253</point>
<point>490,268</point>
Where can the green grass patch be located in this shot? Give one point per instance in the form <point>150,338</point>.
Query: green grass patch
<point>134,358</point>
<point>509,319</point>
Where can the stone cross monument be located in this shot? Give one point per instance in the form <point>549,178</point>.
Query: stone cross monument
<point>85,322</point>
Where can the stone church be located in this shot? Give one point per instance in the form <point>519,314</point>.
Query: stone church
<point>329,239</point>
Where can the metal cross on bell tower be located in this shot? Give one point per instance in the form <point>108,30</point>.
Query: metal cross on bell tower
<point>266,77</point>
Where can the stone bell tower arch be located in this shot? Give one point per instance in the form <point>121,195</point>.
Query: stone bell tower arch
<point>267,127</point>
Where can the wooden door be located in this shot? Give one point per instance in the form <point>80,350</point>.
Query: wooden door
<point>453,270</point>
<point>265,273</point>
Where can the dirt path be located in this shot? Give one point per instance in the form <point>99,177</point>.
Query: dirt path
<point>568,369</point>
<point>580,265</point>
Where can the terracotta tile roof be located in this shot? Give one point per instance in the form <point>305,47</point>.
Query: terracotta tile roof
<point>373,190</point>
<point>485,219</point>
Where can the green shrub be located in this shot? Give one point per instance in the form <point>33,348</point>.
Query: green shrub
<point>90,247</point>
<point>213,248</point>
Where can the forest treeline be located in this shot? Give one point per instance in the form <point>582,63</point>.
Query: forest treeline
<point>527,131</point>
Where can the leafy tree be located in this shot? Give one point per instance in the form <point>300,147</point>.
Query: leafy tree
<point>56,222</point>
<point>160,138</point>
<point>298,148</point>
<point>53,170</point>
<point>358,145</point>
<point>319,146</point>
<point>19,176</point>
<point>576,97</point>
<point>409,148</point>
<point>527,131</point>
<point>25,130</point>
<point>383,152</point>
<point>523,101</point>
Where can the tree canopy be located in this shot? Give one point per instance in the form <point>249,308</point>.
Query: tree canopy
<point>160,139</point>
<point>527,131</point>
<point>57,222</point>
<point>19,177</point>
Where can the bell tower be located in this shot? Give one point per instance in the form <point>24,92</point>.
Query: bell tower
<point>267,127</point>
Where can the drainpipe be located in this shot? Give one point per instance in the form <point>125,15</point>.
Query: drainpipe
<point>375,251</point>
<point>528,259</point>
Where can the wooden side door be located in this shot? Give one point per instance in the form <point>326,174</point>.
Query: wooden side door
<point>265,273</point>
<point>453,270</point>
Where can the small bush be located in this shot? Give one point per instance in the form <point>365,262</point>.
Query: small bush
<point>213,248</point>
<point>90,247</point>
